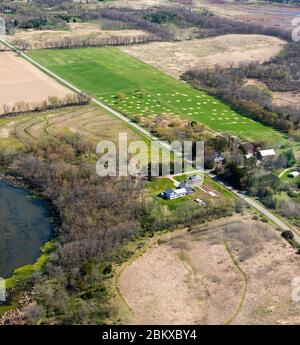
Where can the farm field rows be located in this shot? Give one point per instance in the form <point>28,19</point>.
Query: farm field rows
<point>90,122</point>
<point>134,88</point>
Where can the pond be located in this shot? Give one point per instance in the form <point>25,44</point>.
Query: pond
<point>25,225</point>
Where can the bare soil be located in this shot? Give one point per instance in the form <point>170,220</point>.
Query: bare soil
<point>175,58</point>
<point>20,81</point>
<point>234,270</point>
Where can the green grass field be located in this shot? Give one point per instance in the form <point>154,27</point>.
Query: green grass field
<point>105,72</point>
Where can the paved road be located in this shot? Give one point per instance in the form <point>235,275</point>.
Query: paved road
<point>94,100</point>
<point>160,143</point>
<point>282,225</point>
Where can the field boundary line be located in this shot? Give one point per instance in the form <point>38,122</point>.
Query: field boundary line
<point>245,287</point>
<point>141,130</point>
<point>119,270</point>
<point>152,138</point>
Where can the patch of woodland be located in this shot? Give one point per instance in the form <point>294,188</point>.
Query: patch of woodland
<point>97,216</point>
<point>281,73</point>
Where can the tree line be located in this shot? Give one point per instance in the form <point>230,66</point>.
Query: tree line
<point>96,217</point>
<point>71,42</point>
<point>51,102</point>
<point>251,100</point>
<point>138,21</point>
<point>210,24</point>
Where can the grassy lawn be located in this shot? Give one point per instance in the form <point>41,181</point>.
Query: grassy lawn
<point>286,178</point>
<point>144,90</point>
<point>159,185</point>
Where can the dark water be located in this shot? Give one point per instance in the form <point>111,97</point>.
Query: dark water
<point>24,226</point>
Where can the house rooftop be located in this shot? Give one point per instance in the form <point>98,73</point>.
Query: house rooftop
<point>267,153</point>
<point>169,190</point>
<point>184,184</point>
<point>180,191</point>
<point>195,177</point>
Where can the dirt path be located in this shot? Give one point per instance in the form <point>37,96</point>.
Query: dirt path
<point>232,271</point>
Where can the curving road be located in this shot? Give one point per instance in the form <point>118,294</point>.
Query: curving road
<point>254,204</point>
<point>251,202</point>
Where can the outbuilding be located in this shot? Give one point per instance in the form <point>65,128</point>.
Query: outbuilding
<point>266,153</point>
<point>194,179</point>
<point>294,174</point>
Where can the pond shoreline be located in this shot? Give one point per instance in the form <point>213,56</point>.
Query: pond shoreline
<point>19,181</point>
<point>23,272</point>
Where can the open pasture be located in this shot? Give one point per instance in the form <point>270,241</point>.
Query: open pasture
<point>231,271</point>
<point>174,58</point>
<point>135,88</point>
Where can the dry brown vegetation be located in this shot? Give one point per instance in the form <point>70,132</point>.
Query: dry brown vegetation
<point>175,58</point>
<point>291,98</point>
<point>22,82</point>
<point>266,14</point>
<point>234,270</point>
<point>77,32</point>
<point>137,4</point>
<point>87,121</point>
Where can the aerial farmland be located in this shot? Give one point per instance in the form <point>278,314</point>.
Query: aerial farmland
<point>21,82</point>
<point>106,72</point>
<point>96,231</point>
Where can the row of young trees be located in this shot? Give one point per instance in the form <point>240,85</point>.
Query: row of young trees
<point>75,42</point>
<point>52,102</point>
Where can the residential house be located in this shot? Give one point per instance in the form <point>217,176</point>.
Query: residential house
<point>187,185</point>
<point>180,192</point>
<point>184,184</point>
<point>171,194</point>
